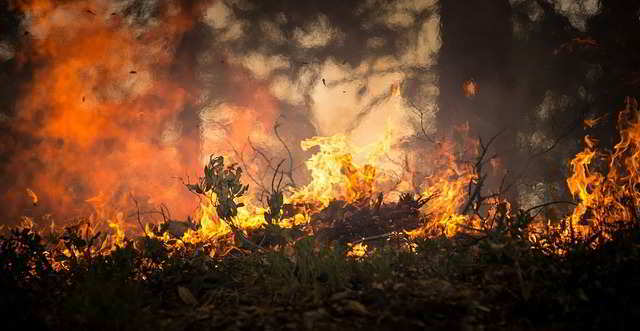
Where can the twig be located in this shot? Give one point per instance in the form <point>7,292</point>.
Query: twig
<point>464,226</point>
<point>476,193</point>
<point>477,169</point>
<point>275,173</point>
<point>421,115</point>
<point>550,203</point>
<point>380,236</point>
<point>290,173</point>
<point>261,153</point>
<point>246,168</point>
<point>138,215</point>
<point>567,132</point>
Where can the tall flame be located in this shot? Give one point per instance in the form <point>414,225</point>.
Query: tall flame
<point>612,196</point>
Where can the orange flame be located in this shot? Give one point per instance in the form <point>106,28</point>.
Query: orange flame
<point>607,198</point>
<point>99,106</point>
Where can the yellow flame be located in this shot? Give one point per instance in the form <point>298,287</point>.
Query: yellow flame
<point>612,196</point>
<point>357,250</point>
<point>335,175</point>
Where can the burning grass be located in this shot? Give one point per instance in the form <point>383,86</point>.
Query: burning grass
<point>339,254</point>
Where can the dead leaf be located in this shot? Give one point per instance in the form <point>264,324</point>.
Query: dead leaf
<point>340,296</point>
<point>356,307</point>
<point>310,317</point>
<point>186,296</point>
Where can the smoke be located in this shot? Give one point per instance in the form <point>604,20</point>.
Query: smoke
<point>98,119</point>
<point>328,73</point>
<point>126,96</point>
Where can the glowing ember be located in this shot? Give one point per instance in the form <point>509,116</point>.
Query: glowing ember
<point>470,88</point>
<point>358,250</point>
<point>32,196</point>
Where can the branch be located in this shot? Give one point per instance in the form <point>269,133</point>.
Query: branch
<point>380,236</point>
<point>290,172</point>
<point>246,168</point>
<point>477,169</point>
<point>569,130</point>
<point>420,112</point>
<point>476,193</point>
<point>138,215</point>
<point>549,204</point>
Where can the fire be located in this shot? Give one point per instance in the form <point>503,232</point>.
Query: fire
<point>249,217</point>
<point>447,186</point>
<point>100,116</point>
<point>32,195</point>
<point>334,173</point>
<point>357,250</point>
<point>592,122</point>
<point>98,107</point>
<point>336,176</point>
<point>102,104</point>
<point>607,197</point>
<point>470,88</point>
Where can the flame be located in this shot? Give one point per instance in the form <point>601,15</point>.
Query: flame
<point>33,196</point>
<point>118,225</point>
<point>607,197</point>
<point>447,185</point>
<point>249,217</point>
<point>604,197</point>
<point>470,88</point>
<point>98,105</point>
<point>357,250</point>
<point>591,122</point>
<point>102,100</point>
<point>396,89</point>
<point>334,174</point>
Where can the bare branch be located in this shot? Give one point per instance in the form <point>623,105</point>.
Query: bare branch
<point>290,172</point>
<point>138,215</point>
<point>420,113</point>
<point>549,204</point>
